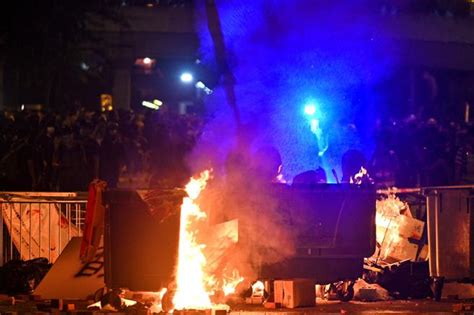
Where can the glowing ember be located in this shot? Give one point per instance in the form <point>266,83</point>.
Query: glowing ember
<point>386,220</point>
<point>191,279</point>
<point>361,177</point>
<point>230,283</point>
<point>258,288</point>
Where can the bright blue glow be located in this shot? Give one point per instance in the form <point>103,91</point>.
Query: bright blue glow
<point>314,125</point>
<point>310,109</point>
<point>200,85</point>
<point>186,77</point>
<point>275,80</point>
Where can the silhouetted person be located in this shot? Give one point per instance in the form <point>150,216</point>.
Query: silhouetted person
<point>47,149</point>
<point>111,157</point>
<point>464,161</point>
<point>266,164</point>
<point>352,161</point>
<point>71,163</point>
<point>311,178</point>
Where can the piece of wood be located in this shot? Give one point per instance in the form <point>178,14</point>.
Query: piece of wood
<point>82,280</point>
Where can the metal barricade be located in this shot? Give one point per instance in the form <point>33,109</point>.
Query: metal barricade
<point>39,224</point>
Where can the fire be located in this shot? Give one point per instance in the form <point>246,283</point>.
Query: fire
<point>191,279</point>
<point>194,283</point>
<point>361,177</point>
<point>230,283</point>
<point>388,210</point>
<point>258,288</point>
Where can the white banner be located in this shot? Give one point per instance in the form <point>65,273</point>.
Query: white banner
<point>50,230</point>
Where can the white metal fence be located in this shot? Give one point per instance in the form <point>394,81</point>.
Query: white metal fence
<point>39,224</point>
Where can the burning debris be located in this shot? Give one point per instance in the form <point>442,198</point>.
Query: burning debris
<point>399,264</point>
<point>397,232</point>
<point>361,177</point>
<point>192,290</point>
<point>194,283</point>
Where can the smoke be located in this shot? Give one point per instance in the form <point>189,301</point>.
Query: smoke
<point>283,54</point>
<point>265,236</point>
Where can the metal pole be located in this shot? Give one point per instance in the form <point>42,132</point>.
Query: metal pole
<point>437,232</point>
<point>30,232</point>
<point>11,229</point>
<point>1,235</point>
<point>429,220</point>
<point>21,228</point>
<point>49,232</point>
<point>59,230</point>
<point>39,233</point>
<point>77,214</point>
<point>69,222</point>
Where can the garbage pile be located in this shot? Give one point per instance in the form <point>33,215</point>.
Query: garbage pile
<point>399,267</point>
<point>22,277</point>
<point>399,234</point>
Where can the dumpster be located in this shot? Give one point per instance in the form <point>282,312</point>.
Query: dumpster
<point>335,231</point>
<point>334,228</point>
<point>141,238</point>
<point>450,234</point>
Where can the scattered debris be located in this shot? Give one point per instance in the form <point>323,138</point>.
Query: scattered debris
<point>463,307</point>
<point>368,292</point>
<point>22,277</point>
<point>399,264</point>
<point>403,280</point>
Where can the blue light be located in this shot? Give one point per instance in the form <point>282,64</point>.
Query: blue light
<point>186,77</point>
<point>314,125</point>
<point>310,109</point>
<point>200,85</point>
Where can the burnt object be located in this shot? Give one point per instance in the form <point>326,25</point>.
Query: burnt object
<point>334,227</point>
<point>405,280</point>
<point>22,277</point>
<point>111,300</point>
<point>140,245</point>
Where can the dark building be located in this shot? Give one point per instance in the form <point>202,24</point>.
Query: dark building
<point>434,44</point>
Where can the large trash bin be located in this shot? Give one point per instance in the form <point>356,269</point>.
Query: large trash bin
<point>141,238</point>
<point>335,227</point>
<point>450,234</point>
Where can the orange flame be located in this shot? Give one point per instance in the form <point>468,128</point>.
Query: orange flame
<point>258,288</point>
<point>191,290</point>
<point>194,285</point>
<point>386,221</point>
<point>230,283</point>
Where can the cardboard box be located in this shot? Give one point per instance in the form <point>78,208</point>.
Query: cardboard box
<point>294,293</point>
<point>399,250</point>
<point>424,253</point>
<point>410,227</point>
<point>401,225</point>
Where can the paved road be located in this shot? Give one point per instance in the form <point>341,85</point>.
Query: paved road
<point>354,307</point>
<point>323,307</point>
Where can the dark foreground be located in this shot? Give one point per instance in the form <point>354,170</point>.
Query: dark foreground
<point>353,307</point>
<point>323,307</point>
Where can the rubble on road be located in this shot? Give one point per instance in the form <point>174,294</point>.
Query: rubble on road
<point>370,292</point>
